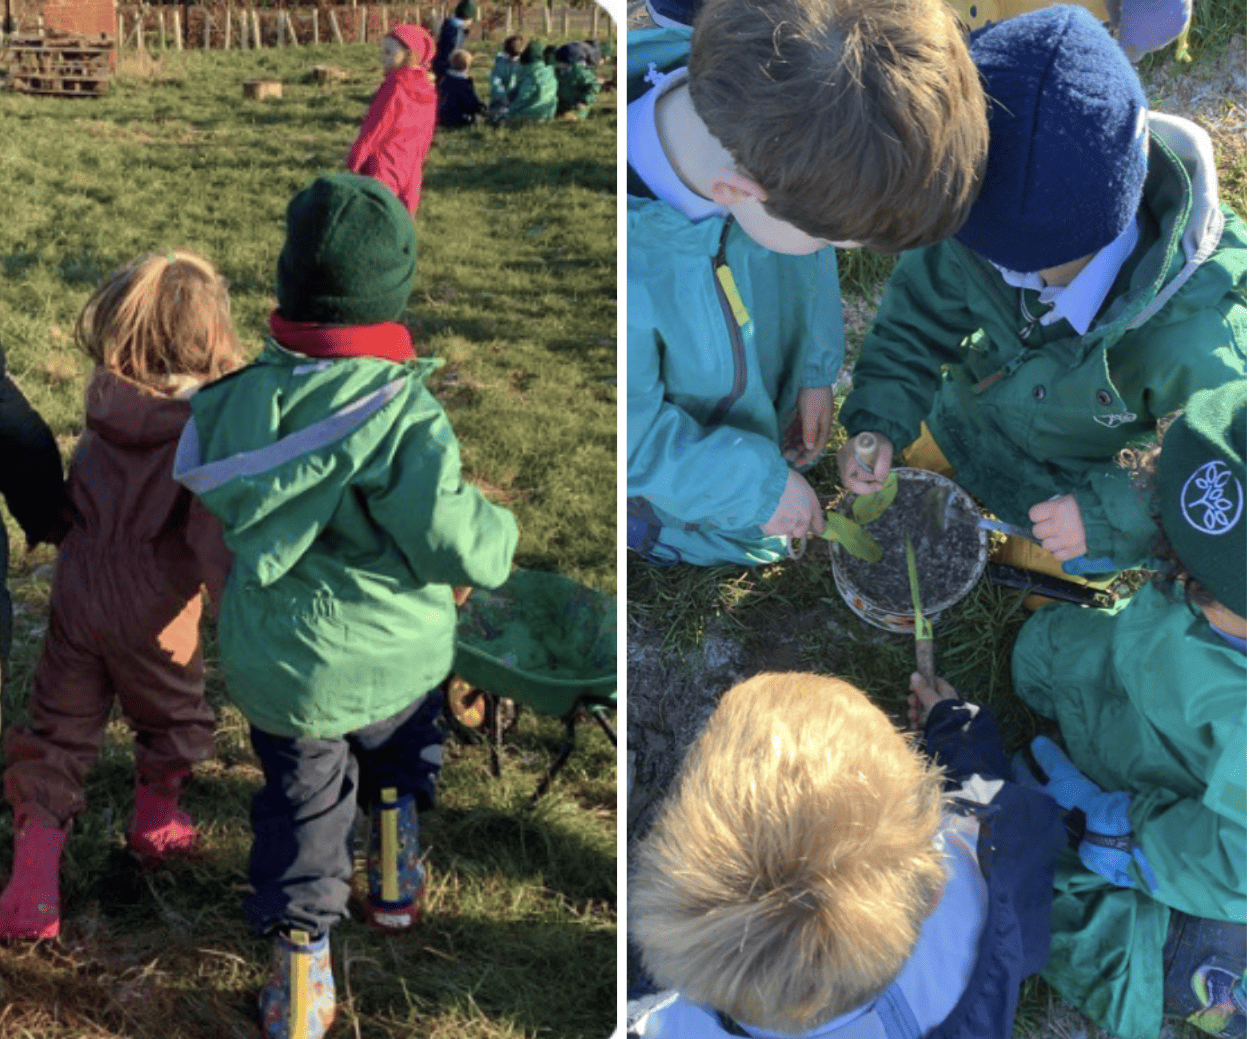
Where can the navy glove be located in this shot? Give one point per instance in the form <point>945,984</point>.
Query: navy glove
<point>1108,844</point>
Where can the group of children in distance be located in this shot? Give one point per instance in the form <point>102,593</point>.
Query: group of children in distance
<point>1068,281</point>
<point>316,494</point>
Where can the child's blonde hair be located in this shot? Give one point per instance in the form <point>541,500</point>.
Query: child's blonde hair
<point>460,60</point>
<point>786,878</point>
<point>165,314</point>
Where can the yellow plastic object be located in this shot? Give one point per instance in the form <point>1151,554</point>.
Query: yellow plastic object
<point>390,845</point>
<point>297,1021</point>
<point>973,14</point>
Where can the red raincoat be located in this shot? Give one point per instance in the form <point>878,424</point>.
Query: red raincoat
<point>395,139</point>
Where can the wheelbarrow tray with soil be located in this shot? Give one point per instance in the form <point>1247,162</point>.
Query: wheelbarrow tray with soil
<point>546,641</point>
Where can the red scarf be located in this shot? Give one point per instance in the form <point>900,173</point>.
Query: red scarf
<point>388,340</point>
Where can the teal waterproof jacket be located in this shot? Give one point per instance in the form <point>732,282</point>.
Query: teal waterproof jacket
<point>534,93</point>
<point>715,365</point>
<point>338,484</point>
<point>1151,701</point>
<point>1024,412</point>
<point>503,76</point>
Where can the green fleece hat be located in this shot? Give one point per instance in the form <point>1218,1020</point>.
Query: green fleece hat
<point>466,10</point>
<point>1202,475</point>
<point>350,253</point>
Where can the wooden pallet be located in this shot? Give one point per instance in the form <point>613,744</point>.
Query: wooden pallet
<point>66,64</point>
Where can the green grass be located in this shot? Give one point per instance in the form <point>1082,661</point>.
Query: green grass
<point>516,290</point>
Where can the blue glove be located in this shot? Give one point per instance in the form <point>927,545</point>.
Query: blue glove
<point>1108,844</point>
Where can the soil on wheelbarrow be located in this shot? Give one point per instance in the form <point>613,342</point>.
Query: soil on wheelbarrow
<point>945,558</point>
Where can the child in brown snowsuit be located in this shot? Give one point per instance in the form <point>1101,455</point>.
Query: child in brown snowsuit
<point>126,593</point>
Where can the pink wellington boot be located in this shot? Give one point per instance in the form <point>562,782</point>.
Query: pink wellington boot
<point>30,906</point>
<point>160,828</point>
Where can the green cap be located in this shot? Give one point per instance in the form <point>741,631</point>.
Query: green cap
<point>350,253</point>
<point>466,10</point>
<point>1202,477</point>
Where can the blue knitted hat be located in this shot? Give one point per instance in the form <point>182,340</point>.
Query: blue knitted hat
<point>1068,126</point>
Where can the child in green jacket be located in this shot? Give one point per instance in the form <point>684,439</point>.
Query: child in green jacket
<point>337,479</point>
<point>534,94</point>
<point>798,124</point>
<point>1095,286</point>
<point>503,76</point>
<point>1149,918</point>
<point>577,86</point>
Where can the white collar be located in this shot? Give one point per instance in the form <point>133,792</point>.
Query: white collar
<point>647,155</point>
<point>1079,301</point>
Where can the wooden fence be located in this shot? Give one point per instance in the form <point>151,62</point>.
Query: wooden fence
<point>226,25</point>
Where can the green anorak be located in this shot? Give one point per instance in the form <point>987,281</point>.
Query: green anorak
<point>1024,411</point>
<point>1151,701</point>
<point>577,89</point>
<point>534,93</point>
<point>338,483</point>
<point>713,382</point>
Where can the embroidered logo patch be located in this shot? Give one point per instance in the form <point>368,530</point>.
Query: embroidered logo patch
<point>1212,499</point>
<point>1112,421</point>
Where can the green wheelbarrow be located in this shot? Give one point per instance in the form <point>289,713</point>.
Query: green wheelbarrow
<point>541,640</point>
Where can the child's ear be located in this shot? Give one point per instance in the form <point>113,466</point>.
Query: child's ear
<point>730,187</point>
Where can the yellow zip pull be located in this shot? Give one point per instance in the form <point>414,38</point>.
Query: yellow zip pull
<point>737,307</point>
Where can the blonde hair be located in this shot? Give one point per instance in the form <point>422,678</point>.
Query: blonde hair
<point>162,315</point>
<point>786,878</point>
<point>863,120</point>
<point>460,60</point>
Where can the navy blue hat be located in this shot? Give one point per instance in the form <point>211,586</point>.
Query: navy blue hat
<point>1068,138</point>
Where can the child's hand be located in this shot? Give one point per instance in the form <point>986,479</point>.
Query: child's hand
<point>922,698</point>
<point>1058,526</point>
<point>798,513</point>
<point>461,594</point>
<point>811,429</point>
<point>854,478</point>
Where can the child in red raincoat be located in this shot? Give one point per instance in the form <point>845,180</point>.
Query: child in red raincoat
<point>395,139</point>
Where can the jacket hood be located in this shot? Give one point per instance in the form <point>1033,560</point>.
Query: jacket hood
<point>127,415</point>
<point>415,83</point>
<point>274,454</point>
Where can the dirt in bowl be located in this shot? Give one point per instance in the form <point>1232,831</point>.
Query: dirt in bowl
<point>946,559</point>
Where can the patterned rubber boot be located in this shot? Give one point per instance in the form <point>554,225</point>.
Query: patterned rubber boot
<point>30,906</point>
<point>1205,974</point>
<point>298,1000</point>
<point>396,874</point>
<point>159,828</point>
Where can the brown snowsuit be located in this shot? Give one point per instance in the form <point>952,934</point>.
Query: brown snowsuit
<point>125,610</point>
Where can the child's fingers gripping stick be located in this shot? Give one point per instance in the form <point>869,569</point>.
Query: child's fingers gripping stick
<point>855,459</point>
<point>1057,523</point>
<point>798,513</point>
<point>922,698</point>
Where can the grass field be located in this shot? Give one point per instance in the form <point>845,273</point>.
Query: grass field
<point>516,291</point>
<point>791,617</point>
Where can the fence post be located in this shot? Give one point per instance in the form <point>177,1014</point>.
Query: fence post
<point>334,28</point>
<point>121,33</point>
<point>385,27</point>
<point>208,29</point>
<point>564,22</point>
<point>316,37</point>
<point>595,21</point>
<point>177,30</point>
<point>547,18</point>
<point>226,33</point>
<point>160,25</point>
<point>362,19</point>
<point>140,42</point>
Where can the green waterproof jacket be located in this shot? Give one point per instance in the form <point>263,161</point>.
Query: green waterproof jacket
<point>338,484</point>
<point>577,88</point>
<point>1025,412</point>
<point>534,93</point>
<point>1151,701</point>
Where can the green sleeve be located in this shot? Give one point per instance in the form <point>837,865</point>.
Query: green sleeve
<point>920,325</point>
